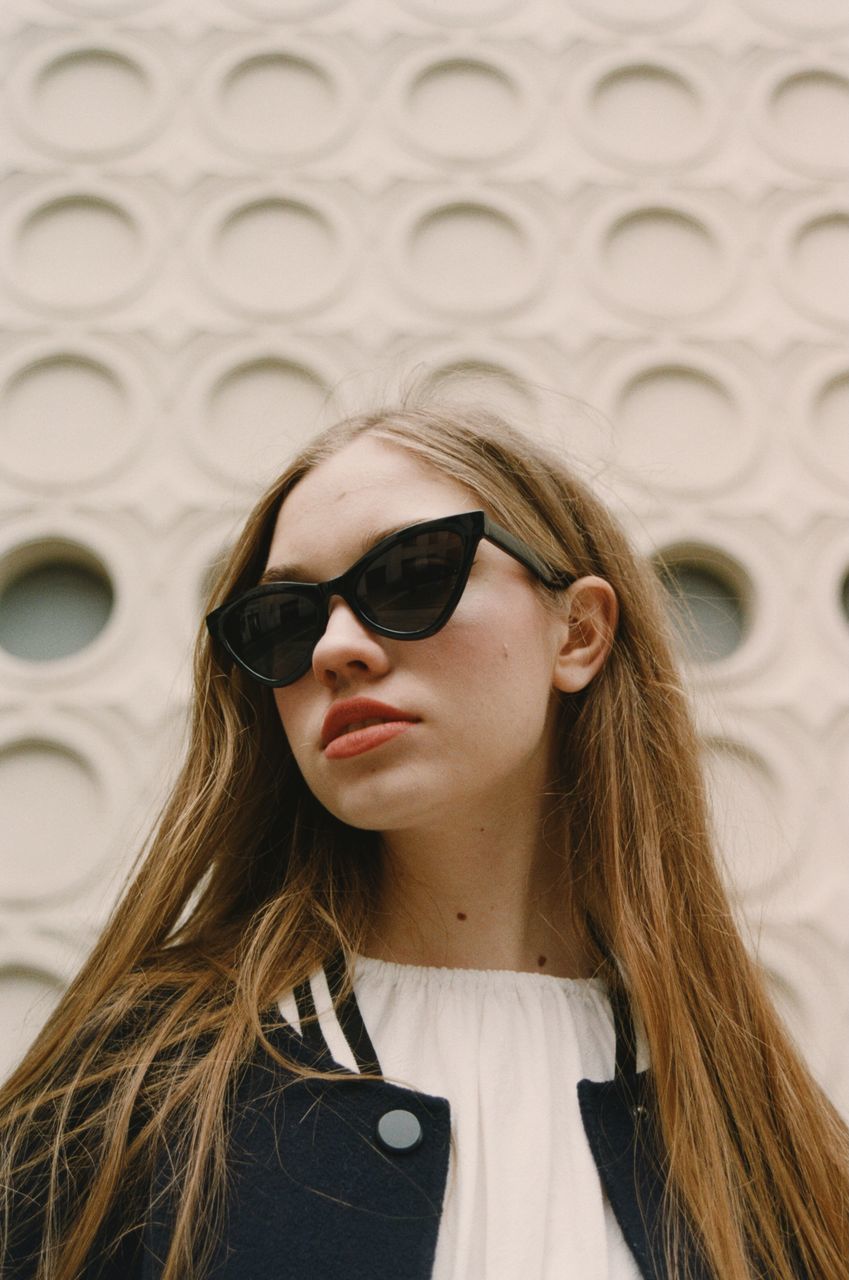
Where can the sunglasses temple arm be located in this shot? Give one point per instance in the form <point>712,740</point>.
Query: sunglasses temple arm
<point>522,552</point>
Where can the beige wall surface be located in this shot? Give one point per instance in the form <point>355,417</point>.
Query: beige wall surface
<point>222,221</point>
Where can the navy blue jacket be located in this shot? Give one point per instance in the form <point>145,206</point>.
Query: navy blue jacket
<point>322,1187</point>
<point>317,1191</point>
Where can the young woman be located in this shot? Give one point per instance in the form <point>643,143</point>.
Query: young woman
<point>428,971</point>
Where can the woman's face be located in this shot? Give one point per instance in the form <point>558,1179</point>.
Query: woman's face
<point>480,690</point>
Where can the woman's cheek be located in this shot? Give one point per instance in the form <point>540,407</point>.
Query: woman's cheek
<point>295,737</point>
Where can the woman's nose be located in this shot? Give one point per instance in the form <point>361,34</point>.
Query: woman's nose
<point>347,647</point>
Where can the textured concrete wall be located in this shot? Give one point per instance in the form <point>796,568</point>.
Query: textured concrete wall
<point>213,213</point>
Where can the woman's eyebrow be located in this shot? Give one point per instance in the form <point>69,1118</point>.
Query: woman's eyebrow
<point>294,573</point>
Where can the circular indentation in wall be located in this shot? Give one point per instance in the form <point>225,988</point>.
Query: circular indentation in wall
<point>844,595</point>
<point>63,419</point>
<point>54,814</point>
<point>482,382</point>
<point>276,255</point>
<point>55,599</point>
<point>646,114</point>
<point>258,412</point>
<point>809,112</point>
<point>745,801</point>
<point>276,102</point>
<point>27,998</point>
<point>77,251</point>
<point>819,262</point>
<point>707,597</point>
<point>680,427</point>
<point>465,108</point>
<point>90,99</point>
<point>470,257</point>
<point>830,421</point>
<point>663,262</point>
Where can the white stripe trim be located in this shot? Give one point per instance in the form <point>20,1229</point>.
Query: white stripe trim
<point>339,1048</point>
<point>289,1009</point>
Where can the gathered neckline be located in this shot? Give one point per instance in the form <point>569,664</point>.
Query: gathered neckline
<point>442,975</point>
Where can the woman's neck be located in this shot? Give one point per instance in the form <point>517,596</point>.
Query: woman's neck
<point>484,896</point>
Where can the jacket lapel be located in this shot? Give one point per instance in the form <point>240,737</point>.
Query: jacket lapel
<point>618,1118</point>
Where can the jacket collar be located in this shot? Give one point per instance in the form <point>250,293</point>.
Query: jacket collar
<point>348,1015</point>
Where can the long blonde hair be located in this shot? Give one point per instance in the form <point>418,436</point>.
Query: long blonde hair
<point>249,884</point>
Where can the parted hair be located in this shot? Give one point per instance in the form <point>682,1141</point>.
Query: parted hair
<point>247,884</point>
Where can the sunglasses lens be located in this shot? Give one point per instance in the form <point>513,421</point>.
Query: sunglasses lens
<point>411,584</point>
<point>274,634</point>
<point>406,589</point>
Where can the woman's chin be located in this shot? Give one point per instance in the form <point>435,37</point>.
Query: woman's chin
<point>380,804</point>
<point>369,798</point>
<point>374,816</point>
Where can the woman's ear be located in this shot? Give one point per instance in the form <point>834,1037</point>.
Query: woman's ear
<point>586,631</point>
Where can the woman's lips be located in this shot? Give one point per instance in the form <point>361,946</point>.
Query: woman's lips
<point>356,741</point>
<point>358,713</point>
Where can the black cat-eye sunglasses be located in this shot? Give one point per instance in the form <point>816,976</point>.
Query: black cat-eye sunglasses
<point>406,586</point>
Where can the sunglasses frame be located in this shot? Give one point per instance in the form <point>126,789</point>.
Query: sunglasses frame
<point>472,526</point>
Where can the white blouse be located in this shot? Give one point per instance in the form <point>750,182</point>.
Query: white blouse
<point>523,1197</point>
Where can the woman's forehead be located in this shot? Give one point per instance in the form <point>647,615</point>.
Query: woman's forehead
<point>344,503</point>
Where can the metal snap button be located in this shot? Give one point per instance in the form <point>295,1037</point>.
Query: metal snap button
<point>399,1130</point>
